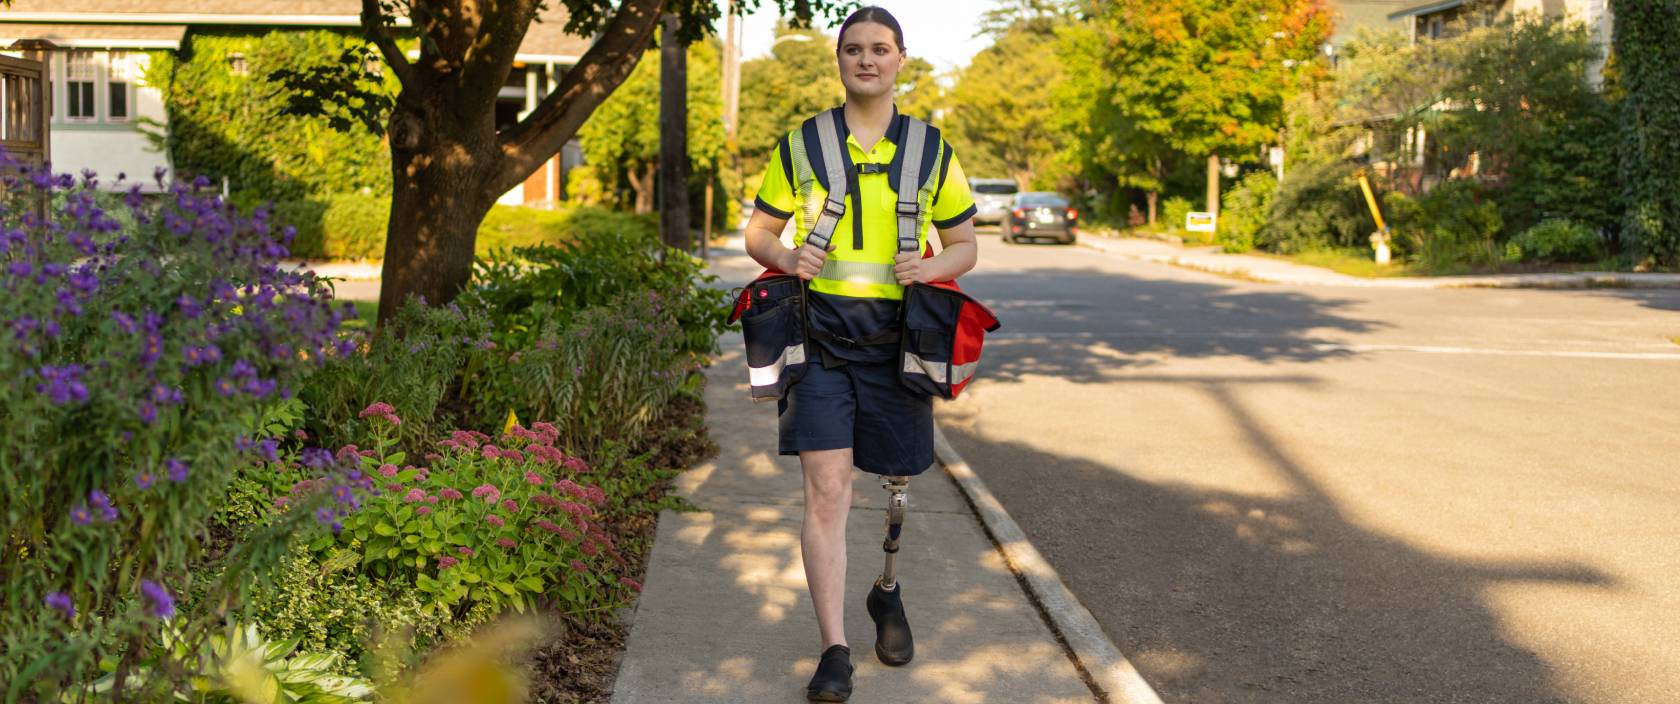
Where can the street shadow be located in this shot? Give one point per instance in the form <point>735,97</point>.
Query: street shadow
<point>1132,322</point>
<point>1659,299</point>
<point>1220,597</point>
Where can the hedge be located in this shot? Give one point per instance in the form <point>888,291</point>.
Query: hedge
<point>352,225</point>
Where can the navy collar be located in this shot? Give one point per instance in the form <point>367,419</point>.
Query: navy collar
<point>895,130</point>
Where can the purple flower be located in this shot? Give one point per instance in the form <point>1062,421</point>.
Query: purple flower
<point>148,412</point>
<point>225,387</point>
<point>124,322</point>
<point>243,443</point>
<point>62,384</point>
<point>268,448</point>
<point>189,306</point>
<point>62,603</point>
<point>243,369</point>
<point>145,479</point>
<point>176,470</point>
<point>20,269</point>
<point>102,503</point>
<point>163,605</point>
<point>80,515</point>
<point>344,494</point>
<point>316,457</point>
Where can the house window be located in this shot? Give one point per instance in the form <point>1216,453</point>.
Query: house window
<point>79,79</point>
<point>236,64</point>
<point>1435,27</point>
<point>117,83</point>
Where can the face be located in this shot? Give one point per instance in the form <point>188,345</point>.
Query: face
<point>869,59</point>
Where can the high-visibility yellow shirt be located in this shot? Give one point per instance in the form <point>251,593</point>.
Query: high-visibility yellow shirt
<point>877,225</point>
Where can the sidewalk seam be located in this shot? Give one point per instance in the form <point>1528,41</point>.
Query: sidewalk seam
<point>1111,675</point>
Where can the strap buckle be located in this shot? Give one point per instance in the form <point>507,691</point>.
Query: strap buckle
<point>833,208</point>
<point>909,209</point>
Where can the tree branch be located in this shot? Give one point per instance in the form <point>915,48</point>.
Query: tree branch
<point>557,118</point>
<point>495,42</point>
<point>373,25</point>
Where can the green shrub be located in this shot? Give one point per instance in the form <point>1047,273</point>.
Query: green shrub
<point>1558,241</point>
<point>1451,229</point>
<point>1174,211</point>
<point>414,364</point>
<point>139,365</point>
<point>1317,206</point>
<point>1245,210</point>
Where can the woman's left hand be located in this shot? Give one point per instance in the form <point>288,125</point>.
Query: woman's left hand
<point>908,269</point>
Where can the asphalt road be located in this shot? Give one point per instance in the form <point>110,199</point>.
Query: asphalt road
<point>1294,494</point>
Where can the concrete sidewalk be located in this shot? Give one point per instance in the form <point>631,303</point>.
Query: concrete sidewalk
<point>725,616</point>
<point>1277,271</point>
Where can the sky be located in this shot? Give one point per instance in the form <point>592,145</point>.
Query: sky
<point>941,31</point>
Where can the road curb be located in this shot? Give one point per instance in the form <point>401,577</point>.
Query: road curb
<point>1566,281</point>
<point>1109,669</point>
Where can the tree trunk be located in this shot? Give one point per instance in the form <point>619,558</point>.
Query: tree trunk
<point>1152,196</point>
<point>1213,185</point>
<point>673,137</point>
<point>642,184</point>
<point>438,199</point>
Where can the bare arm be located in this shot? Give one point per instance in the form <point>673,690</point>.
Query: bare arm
<point>957,255</point>
<point>764,245</point>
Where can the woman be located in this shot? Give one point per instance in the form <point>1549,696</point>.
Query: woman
<point>849,408</point>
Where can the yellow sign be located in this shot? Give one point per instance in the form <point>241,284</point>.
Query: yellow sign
<point>512,420</point>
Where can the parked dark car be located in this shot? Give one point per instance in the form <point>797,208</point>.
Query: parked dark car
<point>1040,215</point>
<point>993,197</point>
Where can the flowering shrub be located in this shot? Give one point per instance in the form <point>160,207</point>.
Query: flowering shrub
<point>604,378</point>
<point>136,365</point>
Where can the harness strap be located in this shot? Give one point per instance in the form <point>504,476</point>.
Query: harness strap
<point>888,336</point>
<point>909,209</point>
<point>828,138</point>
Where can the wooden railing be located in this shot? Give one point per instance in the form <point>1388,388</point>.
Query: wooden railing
<point>24,110</point>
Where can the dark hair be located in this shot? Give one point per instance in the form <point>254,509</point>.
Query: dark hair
<point>879,16</point>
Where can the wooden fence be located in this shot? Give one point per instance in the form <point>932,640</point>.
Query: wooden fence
<point>25,101</point>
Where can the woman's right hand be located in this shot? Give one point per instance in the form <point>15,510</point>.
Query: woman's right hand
<point>807,261</point>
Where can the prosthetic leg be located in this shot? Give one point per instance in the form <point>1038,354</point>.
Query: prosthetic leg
<point>893,644</point>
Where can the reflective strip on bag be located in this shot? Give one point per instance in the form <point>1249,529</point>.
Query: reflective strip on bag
<point>938,371</point>
<point>768,374</point>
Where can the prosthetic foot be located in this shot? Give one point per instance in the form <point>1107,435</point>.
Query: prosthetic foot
<point>893,644</point>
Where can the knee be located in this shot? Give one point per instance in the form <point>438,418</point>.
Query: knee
<point>829,495</point>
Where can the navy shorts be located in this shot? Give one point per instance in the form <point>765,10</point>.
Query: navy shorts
<point>861,406</point>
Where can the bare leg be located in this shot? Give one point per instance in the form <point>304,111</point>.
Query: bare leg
<point>822,538</point>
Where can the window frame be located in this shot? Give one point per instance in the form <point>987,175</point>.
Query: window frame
<point>129,69</point>
<point>102,82</point>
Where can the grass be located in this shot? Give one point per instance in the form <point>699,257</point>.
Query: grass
<point>1344,261</point>
<point>1675,339</point>
<point>367,313</point>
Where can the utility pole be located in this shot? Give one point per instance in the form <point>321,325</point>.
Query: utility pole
<point>673,136</point>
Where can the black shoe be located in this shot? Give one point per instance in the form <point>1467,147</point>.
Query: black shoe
<point>893,644</point>
<point>833,681</point>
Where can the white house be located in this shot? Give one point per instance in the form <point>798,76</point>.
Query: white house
<point>101,106</point>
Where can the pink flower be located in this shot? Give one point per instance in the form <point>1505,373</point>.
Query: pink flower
<point>631,583</point>
<point>447,562</point>
<point>414,495</point>
<point>489,493</point>
<point>515,455</point>
<point>510,506</point>
<point>495,520</point>
<point>378,409</point>
<point>548,431</point>
<point>347,452</point>
<point>394,486</point>
<point>490,452</point>
<point>464,439</point>
<point>533,478</point>
<point>423,510</point>
<point>450,444</point>
<point>433,456</point>
<point>388,470</point>
<point>506,543</point>
<point>464,550</point>
<point>432,499</point>
<point>449,494</point>
<point>576,510</point>
<point>570,488</point>
<point>596,495</point>
<point>368,453</point>
<point>280,501</point>
<point>549,526</point>
<point>576,465</point>
<point>589,549</point>
<point>580,566</point>
<point>568,535</point>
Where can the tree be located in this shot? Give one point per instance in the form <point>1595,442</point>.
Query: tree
<point>621,138</point>
<point>1647,46</point>
<point>449,162</point>
<point>1197,78</point>
<point>797,80</point>
<point>1002,118</point>
<point>919,92</point>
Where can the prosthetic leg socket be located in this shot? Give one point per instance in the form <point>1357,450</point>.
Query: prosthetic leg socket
<point>893,643</point>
